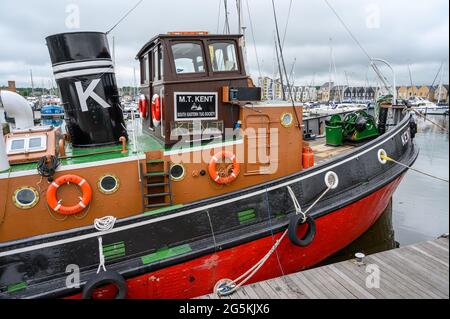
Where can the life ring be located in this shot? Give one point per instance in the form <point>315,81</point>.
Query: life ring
<point>143,112</point>
<point>56,205</point>
<point>214,173</point>
<point>156,110</point>
<point>105,278</point>
<point>310,233</point>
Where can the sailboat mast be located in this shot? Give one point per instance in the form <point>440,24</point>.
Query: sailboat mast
<point>440,86</point>
<point>279,69</point>
<point>330,71</point>
<point>410,76</point>
<point>134,83</point>
<point>32,83</point>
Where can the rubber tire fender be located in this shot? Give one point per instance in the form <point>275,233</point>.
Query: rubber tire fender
<point>105,278</point>
<point>295,220</point>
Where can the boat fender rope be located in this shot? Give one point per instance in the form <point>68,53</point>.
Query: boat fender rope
<point>298,208</point>
<point>101,264</point>
<point>103,225</point>
<point>106,277</point>
<point>226,287</point>
<point>332,182</point>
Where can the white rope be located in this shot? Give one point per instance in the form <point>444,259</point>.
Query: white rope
<point>234,285</point>
<point>101,264</point>
<point>298,208</point>
<point>103,225</point>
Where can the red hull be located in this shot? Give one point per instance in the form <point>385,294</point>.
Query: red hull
<point>198,277</point>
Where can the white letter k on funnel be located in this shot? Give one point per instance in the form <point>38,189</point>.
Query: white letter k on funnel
<point>84,95</point>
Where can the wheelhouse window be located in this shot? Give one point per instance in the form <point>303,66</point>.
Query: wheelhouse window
<point>160,61</point>
<point>223,56</point>
<point>145,70</point>
<point>156,65</point>
<point>188,58</point>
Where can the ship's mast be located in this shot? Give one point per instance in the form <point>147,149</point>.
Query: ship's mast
<point>241,30</point>
<point>240,15</point>
<point>277,54</point>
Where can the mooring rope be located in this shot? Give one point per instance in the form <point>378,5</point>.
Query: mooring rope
<point>235,284</point>
<point>427,119</point>
<point>387,158</point>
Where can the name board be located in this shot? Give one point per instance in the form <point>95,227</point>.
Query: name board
<point>196,106</point>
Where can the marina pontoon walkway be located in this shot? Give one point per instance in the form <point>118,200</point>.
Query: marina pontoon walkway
<point>418,271</point>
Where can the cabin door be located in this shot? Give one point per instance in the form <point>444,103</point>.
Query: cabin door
<point>257,145</point>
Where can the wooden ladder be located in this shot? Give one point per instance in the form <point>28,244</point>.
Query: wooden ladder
<point>156,182</point>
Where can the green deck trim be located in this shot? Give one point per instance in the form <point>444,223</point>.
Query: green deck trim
<point>247,216</point>
<point>113,251</point>
<point>145,143</point>
<point>162,210</point>
<point>165,253</point>
<point>17,287</point>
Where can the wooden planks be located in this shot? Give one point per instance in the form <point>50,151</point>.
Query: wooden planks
<point>418,271</point>
<point>324,152</point>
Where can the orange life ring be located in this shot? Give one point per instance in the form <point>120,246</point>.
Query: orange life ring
<point>156,110</point>
<point>143,106</point>
<point>56,204</point>
<point>214,173</point>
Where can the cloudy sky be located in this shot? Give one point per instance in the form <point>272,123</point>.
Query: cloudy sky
<point>404,32</point>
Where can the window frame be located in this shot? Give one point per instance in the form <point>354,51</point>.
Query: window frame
<point>236,54</point>
<point>146,73</point>
<point>206,63</point>
<point>26,149</point>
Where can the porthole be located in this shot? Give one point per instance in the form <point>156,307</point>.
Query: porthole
<point>287,120</point>
<point>177,172</point>
<point>108,184</point>
<point>25,197</point>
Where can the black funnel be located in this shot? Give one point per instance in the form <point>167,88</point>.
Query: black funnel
<point>84,71</point>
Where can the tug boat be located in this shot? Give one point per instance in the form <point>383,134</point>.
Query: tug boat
<point>193,193</point>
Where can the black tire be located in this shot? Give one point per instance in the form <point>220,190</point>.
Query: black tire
<point>310,233</point>
<point>106,278</point>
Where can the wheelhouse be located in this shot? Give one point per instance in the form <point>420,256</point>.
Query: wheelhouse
<point>189,76</point>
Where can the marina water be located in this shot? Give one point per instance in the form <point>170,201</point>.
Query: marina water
<point>420,207</point>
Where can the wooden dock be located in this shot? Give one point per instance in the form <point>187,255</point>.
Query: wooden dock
<point>419,271</point>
